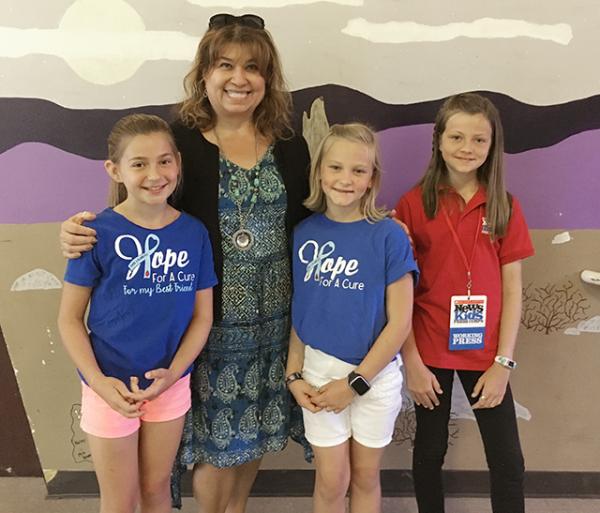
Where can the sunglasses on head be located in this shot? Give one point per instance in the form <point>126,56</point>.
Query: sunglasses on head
<point>246,20</point>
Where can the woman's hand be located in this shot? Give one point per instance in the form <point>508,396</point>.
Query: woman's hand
<point>117,396</point>
<point>335,396</point>
<point>304,393</point>
<point>492,386</point>
<point>76,238</point>
<point>162,380</point>
<point>422,385</point>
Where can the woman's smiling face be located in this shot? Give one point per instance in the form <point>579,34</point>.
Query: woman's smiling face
<point>234,85</point>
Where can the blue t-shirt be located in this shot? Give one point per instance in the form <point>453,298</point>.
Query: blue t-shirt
<point>144,286</point>
<point>341,271</point>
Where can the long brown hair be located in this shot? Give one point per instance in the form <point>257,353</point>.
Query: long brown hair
<point>122,132</point>
<point>354,132</point>
<point>490,174</point>
<point>272,116</point>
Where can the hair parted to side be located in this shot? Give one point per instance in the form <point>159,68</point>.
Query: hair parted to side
<point>358,133</point>
<point>272,116</point>
<point>490,174</point>
<point>121,133</point>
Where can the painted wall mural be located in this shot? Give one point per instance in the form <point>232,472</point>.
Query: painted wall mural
<point>69,69</point>
<point>552,307</point>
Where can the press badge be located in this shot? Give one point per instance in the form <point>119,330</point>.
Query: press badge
<point>467,322</point>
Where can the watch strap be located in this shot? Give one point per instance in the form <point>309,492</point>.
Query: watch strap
<point>506,362</point>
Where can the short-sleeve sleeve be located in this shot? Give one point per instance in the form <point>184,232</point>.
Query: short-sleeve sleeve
<point>84,271</point>
<point>403,212</point>
<point>399,256</point>
<point>206,272</point>
<point>516,244</point>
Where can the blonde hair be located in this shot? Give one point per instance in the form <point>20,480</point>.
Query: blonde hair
<point>491,172</point>
<point>272,116</point>
<point>353,132</point>
<point>122,132</point>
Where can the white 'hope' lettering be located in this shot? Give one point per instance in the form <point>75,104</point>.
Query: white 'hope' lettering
<point>169,259</point>
<point>318,261</point>
<point>149,256</point>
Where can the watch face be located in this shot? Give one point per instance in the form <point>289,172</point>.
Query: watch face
<point>360,385</point>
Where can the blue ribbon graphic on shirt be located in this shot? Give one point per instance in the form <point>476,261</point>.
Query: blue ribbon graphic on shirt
<point>134,265</point>
<point>320,254</point>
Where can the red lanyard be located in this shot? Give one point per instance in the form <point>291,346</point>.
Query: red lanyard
<point>468,263</point>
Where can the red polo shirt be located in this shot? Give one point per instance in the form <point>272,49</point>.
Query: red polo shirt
<point>443,272</point>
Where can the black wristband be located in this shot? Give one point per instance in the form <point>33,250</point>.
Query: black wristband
<point>293,377</point>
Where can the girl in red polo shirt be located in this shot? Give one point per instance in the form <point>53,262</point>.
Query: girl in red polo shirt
<point>469,237</point>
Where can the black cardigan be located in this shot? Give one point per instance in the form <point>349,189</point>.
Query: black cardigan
<point>200,192</point>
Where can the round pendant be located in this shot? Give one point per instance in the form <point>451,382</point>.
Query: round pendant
<point>243,239</point>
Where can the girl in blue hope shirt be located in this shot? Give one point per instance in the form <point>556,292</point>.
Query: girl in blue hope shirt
<point>149,282</point>
<point>353,275</point>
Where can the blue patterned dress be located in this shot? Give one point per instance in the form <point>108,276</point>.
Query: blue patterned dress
<point>241,408</point>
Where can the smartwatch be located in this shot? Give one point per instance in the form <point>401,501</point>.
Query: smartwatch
<point>358,383</point>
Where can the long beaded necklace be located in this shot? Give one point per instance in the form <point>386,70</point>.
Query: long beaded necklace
<point>243,239</point>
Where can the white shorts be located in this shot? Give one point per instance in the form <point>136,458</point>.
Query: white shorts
<point>369,419</point>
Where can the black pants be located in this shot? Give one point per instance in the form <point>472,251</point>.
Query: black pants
<point>498,428</point>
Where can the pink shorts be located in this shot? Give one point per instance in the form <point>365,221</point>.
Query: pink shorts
<point>99,419</point>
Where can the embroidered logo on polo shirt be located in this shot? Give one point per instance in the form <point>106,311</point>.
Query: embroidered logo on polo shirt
<point>485,227</point>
